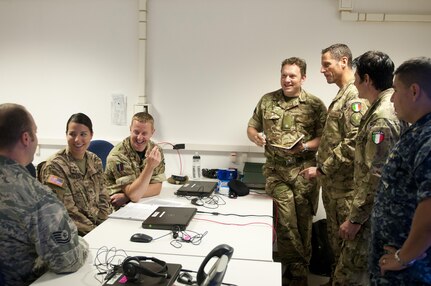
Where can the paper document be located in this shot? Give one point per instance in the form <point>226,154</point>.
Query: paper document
<point>140,211</point>
<point>288,147</point>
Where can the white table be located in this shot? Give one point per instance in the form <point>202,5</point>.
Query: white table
<point>253,242</point>
<point>239,272</point>
<point>251,237</point>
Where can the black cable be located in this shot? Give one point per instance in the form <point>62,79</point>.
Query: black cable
<point>239,215</point>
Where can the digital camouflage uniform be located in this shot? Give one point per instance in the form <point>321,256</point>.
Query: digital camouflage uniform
<point>335,157</point>
<point>36,233</point>
<point>379,130</point>
<point>123,166</point>
<point>283,120</point>
<point>405,182</point>
<point>84,195</point>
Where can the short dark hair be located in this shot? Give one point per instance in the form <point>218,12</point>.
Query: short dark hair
<point>416,70</point>
<point>296,61</point>
<point>338,51</point>
<point>143,117</point>
<point>378,66</point>
<point>80,118</point>
<point>14,120</point>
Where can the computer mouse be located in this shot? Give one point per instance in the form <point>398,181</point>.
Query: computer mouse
<point>141,237</point>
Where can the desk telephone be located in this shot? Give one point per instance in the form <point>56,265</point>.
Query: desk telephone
<point>216,274</point>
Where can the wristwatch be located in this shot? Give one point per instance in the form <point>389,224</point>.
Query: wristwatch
<point>304,147</point>
<point>403,263</point>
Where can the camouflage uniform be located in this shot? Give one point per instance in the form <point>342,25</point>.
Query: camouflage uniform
<point>123,166</point>
<point>405,181</point>
<point>283,120</point>
<point>335,159</point>
<point>36,232</point>
<point>84,195</point>
<point>379,130</point>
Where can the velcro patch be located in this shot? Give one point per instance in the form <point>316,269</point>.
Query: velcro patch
<point>61,236</point>
<point>120,167</point>
<point>355,119</point>
<point>55,180</point>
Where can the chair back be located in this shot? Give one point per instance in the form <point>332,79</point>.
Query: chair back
<point>101,148</point>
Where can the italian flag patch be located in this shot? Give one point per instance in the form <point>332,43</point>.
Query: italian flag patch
<point>378,137</point>
<point>356,106</point>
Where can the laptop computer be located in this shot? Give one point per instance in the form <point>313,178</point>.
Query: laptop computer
<point>170,218</point>
<point>253,176</point>
<point>120,280</point>
<point>197,188</point>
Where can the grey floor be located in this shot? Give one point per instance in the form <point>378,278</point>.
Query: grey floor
<point>313,279</point>
<point>316,280</point>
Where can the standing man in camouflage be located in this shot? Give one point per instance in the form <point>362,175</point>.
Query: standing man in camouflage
<point>135,168</point>
<point>36,233</point>
<point>401,218</point>
<point>335,155</point>
<point>379,130</point>
<point>283,116</point>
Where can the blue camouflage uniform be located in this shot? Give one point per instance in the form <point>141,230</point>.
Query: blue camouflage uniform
<point>36,233</point>
<point>405,182</point>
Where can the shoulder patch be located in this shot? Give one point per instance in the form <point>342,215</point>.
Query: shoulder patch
<point>61,236</point>
<point>356,106</point>
<point>55,180</point>
<point>378,137</point>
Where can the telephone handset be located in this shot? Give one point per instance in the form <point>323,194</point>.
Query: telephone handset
<point>215,276</point>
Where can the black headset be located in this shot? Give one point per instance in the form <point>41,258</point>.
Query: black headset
<point>132,267</point>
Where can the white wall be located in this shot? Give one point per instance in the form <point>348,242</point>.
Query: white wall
<point>208,63</point>
<point>59,57</point>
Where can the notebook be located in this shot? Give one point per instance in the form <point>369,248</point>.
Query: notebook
<point>197,188</point>
<point>173,270</point>
<point>170,218</point>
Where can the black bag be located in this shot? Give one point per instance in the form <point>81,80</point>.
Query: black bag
<point>322,257</point>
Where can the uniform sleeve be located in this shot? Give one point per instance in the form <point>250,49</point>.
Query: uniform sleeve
<point>257,117</point>
<point>104,205</point>
<point>421,170</point>
<point>321,114</point>
<point>344,153</point>
<point>159,172</point>
<point>54,177</point>
<point>56,237</point>
<point>381,137</point>
<point>119,173</point>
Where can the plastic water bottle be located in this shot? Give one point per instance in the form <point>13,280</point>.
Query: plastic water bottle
<point>196,166</point>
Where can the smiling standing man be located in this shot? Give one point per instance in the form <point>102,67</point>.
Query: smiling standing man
<point>135,168</point>
<point>284,116</point>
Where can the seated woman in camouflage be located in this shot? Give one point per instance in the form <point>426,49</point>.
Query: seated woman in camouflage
<point>76,176</point>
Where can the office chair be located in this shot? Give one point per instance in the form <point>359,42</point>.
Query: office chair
<point>32,169</point>
<point>101,148</point>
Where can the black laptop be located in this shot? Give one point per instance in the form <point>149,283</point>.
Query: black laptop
<point>197,188</point>
<point>170,218</point>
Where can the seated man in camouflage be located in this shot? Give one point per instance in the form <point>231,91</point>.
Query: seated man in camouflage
<point>135,167</point>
